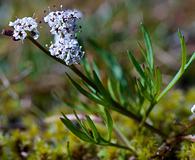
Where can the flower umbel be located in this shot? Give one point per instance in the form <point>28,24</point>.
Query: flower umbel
<point>64,27</point>
<point>68,50</point>
<point>21,26</point>
<point>63,22</point>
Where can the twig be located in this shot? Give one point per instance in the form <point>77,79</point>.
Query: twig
<point>171,142</point>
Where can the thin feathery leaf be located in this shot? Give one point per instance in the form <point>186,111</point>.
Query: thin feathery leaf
<point>111,89</point>
<point>143,51</point>
<point>183,50</point>
<point>148,43</point>
<point>158,80</point>
<point>74,129</point>
<point>136,65</point>
<point>95,132</point>
<point>109,123</point>
<point>84,92</point>
<point>87,67</point>
<point>83,127</point>
<point>104,92</point>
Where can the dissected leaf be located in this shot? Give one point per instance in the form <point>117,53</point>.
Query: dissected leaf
<point>181,70</point>
<point>136,65</point>
<point>83,127</point>
<point>87,94</point>
<point>143,51</point>
<point>95,132</point>
<point>104,92</point>
<point>111,62</point>
<point>158,80</point>
<point>183,50</point>
<point>109,123</point>
<point>87,67</point>
<point>148,43</point>
<point>74,129</point>
<point>111,89</point>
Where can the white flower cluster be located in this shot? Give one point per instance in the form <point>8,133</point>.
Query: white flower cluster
<point>63,26</point>
<point>22,25</point>
<point>63,22</point>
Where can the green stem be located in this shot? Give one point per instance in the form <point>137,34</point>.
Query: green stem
<point>184,67</point>
<point>170,85</point>
<point>150,109</point>
<point>152,104</point>
<point>117,107</point>
<point>164,92</point>
<point>106,143</point>
<point>122,147</point>
<point>123,111</point>
<point>123,138</point>
<point>37,44</point>
<point>68,151</point>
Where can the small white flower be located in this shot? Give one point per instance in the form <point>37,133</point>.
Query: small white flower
<point>21,26</point>
<point>193,109</point>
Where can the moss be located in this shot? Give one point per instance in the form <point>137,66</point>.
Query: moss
<point>145,145</point>
<point>48,139</point>
<point>187,151</point>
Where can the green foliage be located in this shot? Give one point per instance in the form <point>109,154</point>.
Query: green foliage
<point>148,146</point>
<point>132,97</point>
<point>184,66</point>
<point>88,132</point>
<point>149,51</point>
<point>32,145</point>
<point>147,90</point>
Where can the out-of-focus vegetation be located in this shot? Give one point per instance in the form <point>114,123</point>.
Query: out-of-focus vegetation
<point>34,89</point>
<point>27,136</point>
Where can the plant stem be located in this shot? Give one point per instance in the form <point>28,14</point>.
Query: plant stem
<point>129,114</point>
<point>122,147</point>
<point>117,107</point>
<point>123,138</point>
<point>68,151</point>
<point>152,104</point>
<point>170,85</point>
<point>171,142</point>
<point>37,44</point>
<point>72,67</point>
<point>106,143</point>
<point>176,78</point>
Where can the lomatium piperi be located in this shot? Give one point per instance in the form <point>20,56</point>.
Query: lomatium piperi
<point>66,49</point>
